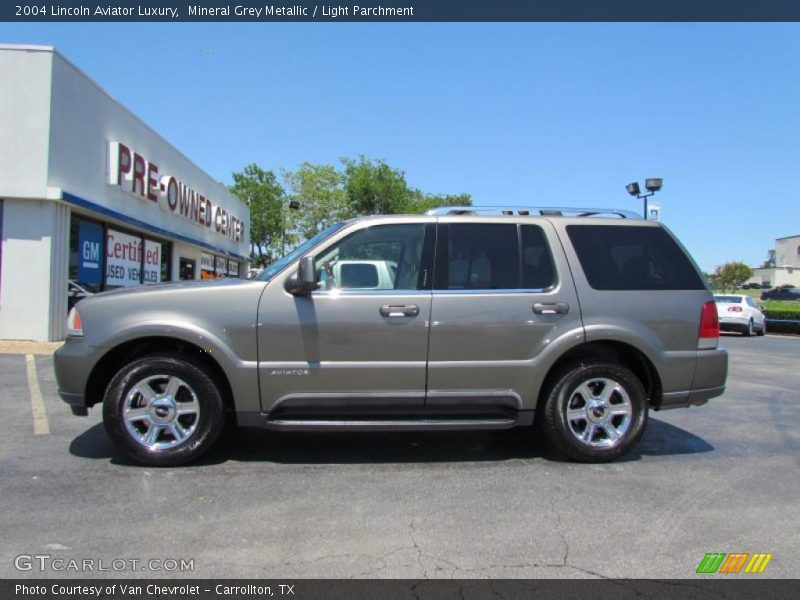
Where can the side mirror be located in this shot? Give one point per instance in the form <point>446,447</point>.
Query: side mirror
<point>306,280</point>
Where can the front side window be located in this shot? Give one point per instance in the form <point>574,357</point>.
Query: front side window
<point>382,257</point>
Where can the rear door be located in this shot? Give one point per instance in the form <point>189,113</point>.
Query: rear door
<point>502,293</point>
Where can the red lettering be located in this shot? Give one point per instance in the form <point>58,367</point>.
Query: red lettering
<point>123,162</point>
<point>172,193</point>
<point>138,174</point>
<point>209,211</point>
<point>152,182</point>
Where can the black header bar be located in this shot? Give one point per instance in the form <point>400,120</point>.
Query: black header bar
<point>401,11</point>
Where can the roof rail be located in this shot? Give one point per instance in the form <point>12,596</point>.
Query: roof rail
<point>544,211</point>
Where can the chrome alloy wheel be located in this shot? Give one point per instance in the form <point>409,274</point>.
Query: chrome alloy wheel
<point>160,412</point>
<point>599,412</point>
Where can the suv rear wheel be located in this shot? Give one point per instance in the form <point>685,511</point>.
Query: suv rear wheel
<point>595,411</point>
<point>163,410</point>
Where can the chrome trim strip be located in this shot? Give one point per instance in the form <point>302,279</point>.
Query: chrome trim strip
<point>343,364</point>
<point>392,425</point>
<point>371,293</point>
<point>491,292</point>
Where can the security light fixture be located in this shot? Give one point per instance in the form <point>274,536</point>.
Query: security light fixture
<point>633,188</point>
<point>652,184</point>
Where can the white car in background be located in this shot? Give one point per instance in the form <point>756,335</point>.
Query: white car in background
<point>740,313</point>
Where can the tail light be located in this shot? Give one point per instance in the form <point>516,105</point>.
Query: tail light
<point>709,326</point>
<point>74,324</point>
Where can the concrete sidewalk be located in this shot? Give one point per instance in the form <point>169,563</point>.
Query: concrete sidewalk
<point>28,347</point>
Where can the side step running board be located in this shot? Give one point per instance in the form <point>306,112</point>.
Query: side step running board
<point>388,425</point>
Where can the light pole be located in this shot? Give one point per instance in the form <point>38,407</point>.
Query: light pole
<point>652,185</point>
<point>293,205</point>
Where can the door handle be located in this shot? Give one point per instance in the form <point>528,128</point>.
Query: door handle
<point>402,310</point>
<point>551,308</point>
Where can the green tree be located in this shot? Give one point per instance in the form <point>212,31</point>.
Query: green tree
<point>319,189</point>
<point>770,262</point>
<point>375,188</point>
<point>420,202</point>
<point>732,275</point>
<point>260,190</point>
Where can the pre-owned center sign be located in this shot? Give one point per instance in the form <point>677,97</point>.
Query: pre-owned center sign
<point>134,174</point>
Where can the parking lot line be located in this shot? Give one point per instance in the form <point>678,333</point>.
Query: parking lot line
<point>40,423</point>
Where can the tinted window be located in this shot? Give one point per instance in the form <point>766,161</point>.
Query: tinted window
<point>728,299</point>
<point>478,257</point>
<point>632,258</point>
<point>750,302</point>
<point>538,271</point>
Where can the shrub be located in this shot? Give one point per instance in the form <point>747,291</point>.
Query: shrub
<point>783,321</point>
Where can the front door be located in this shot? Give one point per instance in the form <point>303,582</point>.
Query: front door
<point>358,345</point>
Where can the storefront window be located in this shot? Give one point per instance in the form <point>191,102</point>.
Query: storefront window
<point>86,256</point>
<point>207,266</point>
<point>186,269</point>
<point>103,257</point>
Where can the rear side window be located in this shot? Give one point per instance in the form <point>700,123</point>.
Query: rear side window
<point>632,258</point>
<point>493,256</point>
<point>538,271</point>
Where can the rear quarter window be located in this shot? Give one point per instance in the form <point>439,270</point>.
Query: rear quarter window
<point>632,258</point>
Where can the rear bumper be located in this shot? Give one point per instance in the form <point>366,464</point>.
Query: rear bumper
<point>709,381</point>
<point>733,323</point>
<point>691,398</point>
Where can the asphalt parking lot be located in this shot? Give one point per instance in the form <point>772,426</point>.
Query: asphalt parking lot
<point>720,478</point>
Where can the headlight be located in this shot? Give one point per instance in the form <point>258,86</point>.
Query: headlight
<point>74,324</point>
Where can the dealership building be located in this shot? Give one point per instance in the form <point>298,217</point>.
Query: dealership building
<point>92,199</point>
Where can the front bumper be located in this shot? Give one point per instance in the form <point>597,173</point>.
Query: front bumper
<point>73,364</point>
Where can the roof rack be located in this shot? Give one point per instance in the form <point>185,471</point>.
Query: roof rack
<point>544,211</point>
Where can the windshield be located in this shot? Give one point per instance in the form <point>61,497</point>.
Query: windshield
<point>285,261</point>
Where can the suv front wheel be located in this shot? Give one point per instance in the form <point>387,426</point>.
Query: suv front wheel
<point>163,410</point>
<point>595,411</point>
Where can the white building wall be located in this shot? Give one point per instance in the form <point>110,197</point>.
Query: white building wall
<point>776,276</point>
<point>33,231</point>
<point>787,252</point>
<point>24,123</point>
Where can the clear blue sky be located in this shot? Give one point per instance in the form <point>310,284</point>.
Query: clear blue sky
<point>546,114</point>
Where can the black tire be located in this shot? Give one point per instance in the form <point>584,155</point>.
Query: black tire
<point>183,427</point>
<point>563,394</point>
<point>748,331</point>
<point>763,330</point>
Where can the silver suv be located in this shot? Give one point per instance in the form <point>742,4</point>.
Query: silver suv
<point>451,320</point>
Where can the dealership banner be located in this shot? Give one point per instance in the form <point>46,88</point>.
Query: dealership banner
<point>124,258</point>
<point>403,10</point>
<point>90,261</point>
